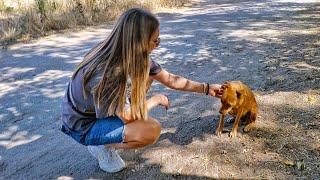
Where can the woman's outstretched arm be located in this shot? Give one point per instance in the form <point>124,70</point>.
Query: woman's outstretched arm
<point>183,84</point>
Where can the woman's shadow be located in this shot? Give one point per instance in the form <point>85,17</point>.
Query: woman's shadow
<point>195,128</point>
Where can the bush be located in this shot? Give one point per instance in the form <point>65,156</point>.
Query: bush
<point>23,20</point>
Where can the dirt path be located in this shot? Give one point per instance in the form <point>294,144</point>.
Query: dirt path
<point>272,46</point>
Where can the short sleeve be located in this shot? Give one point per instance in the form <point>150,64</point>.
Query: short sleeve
<point>155,68</point>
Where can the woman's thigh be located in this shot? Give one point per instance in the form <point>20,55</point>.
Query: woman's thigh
<point>142,131</point>
<point>108,130</point>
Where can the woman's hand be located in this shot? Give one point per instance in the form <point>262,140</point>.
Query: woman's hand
<point>162,100</point>
<point>216,90</point>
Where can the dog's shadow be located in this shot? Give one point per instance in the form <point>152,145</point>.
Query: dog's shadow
<point>195,128</point>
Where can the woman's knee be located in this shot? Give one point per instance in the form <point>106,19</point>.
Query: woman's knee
<point>144,132</point>
<point>151,132</point>
<point>156,130</point>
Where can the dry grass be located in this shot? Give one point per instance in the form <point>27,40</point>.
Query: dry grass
<point>22,20</point>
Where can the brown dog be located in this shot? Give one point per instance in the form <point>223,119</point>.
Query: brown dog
<point>237,100</point>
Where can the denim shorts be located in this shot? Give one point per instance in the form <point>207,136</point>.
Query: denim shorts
<point>105,131</point>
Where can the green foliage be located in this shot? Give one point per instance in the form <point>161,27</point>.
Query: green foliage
<point>4,8</point>
<point>42,6</point>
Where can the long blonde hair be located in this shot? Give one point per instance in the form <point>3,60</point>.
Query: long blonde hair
<point>123,55</point>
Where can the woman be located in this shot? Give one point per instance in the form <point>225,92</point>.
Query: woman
<point>105,105</point>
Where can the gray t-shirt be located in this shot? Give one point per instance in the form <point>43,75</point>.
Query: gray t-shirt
<point>79,114</point>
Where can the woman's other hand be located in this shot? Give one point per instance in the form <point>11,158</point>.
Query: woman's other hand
<point>163,100</point>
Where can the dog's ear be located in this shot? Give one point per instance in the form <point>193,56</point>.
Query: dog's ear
<point>238,94</point>
<point>226,85</point>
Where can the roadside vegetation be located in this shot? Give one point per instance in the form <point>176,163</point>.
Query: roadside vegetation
<point>21,20</point>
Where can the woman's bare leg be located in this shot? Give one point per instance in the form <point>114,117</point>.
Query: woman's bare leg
<point>139,134</point>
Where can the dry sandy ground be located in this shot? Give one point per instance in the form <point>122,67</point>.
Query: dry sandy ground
<point>273,46</point>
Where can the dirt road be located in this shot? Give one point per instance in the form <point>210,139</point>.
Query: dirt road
<point>273,46</point>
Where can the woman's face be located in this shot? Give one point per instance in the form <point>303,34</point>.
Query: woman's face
<point>154,40</point>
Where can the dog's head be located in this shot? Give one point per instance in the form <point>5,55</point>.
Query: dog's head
<point>230,97</point>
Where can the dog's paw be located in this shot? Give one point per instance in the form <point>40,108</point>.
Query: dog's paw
<point>248,127</point>
<point>218,133</point>
<point>233,134</point>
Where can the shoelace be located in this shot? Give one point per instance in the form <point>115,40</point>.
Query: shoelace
<point>113,154</point>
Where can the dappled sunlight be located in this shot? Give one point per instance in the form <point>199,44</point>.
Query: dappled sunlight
<point>288,126</point>
<point>264,36</point>
<point>194,161</point>
<point>300,1</point>
<point>168,130</point>
<point>304,31</point>
<point>254,35</point>
<point>169,56</point>
<point>169,37</point>
<point>306,100</point>
<point>203,54</point>
<point>176,43</point>
<point>74,55</point>
<point>11,75</point>
<point>11,72</point>
<point>47,77</point>
<point>210,156</point>
<point>199,56</point>
<point>64,178</point>
<point>181,20</point>
<point>217,158</point>
<point>51,75</point>
<point>261,150</point>
<point>32,84</point>
<point>60,40</point>
<point>301,66</point>
<point>14,137</point>
<point>14,111</point>
<point>56,47</point>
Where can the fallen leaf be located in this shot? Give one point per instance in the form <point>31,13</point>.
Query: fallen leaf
<point>312,99</point>
<point>288,162</point>
<point>205,160</point>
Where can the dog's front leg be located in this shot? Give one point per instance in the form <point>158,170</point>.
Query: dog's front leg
<point>220,125</point>
<point>234,130</point>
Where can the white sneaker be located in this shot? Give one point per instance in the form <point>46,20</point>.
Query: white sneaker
<point>109,159</point>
